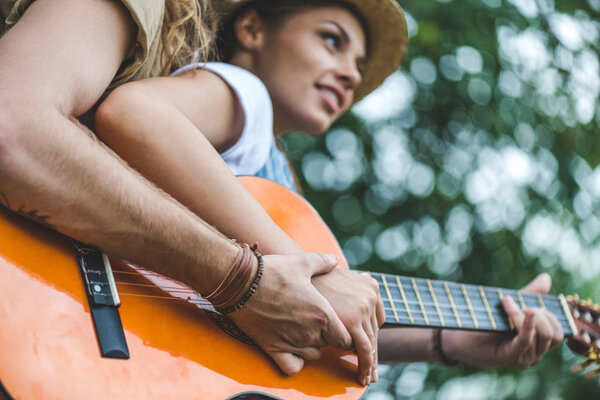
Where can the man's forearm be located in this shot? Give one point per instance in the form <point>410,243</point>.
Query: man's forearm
<point>57,174</point>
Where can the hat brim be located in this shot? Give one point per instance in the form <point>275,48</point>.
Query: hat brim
<point>387,39</point>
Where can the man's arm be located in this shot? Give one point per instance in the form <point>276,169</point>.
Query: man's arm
<point>55,63</point>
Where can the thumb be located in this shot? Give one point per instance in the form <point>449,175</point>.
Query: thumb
<point>541,284</point>
<point>321,263</point>
<point>288,363</point>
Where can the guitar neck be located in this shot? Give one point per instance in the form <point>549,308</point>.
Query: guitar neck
<point>438,304</point>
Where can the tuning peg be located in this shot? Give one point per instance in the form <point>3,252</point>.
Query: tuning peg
<point>577,368</point>
<point>596,307</point>
<point>588,317</point>
<point>592,374</point>
<point>587,302</point>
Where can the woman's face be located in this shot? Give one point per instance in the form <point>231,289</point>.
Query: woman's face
<point>311,65</point>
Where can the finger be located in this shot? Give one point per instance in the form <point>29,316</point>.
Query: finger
<point>523,349</point>
<point>544,334</point>
<point>369,327</point>
<point>290,364</point>
<point>513,311</point>
<point>364,350</point>
<point>380,311</point>
<point>374,350</point>
<point>541,284</point>
<point>335,333</point>
<point>320,263</point>
<point>557,329</point>
<point>309,353</point>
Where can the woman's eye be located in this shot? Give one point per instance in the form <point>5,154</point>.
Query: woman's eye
<point>332,40</point>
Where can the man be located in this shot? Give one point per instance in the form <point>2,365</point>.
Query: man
<point>57,58</point>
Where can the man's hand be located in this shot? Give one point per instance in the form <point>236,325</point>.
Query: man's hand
<point>538,332</point>
<point>287,317</point>
<point>356,300</point>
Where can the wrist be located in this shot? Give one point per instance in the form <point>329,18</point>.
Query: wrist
<point>443,349</point>
<point>241,281</point>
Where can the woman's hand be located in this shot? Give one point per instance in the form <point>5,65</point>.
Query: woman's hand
<point>538,332</point>
<point>287,317</point>
<point>356,300</point>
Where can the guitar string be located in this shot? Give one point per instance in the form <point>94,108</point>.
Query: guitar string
<point>448,316</point>
<point>200,301</point>
<point>417,319</point>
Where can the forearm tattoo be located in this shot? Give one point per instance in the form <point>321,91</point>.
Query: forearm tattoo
<point>33,215</point>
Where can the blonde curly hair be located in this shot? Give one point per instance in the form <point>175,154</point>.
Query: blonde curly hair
<point>188,33</point>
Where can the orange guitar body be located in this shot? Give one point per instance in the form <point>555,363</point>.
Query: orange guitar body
<point>48,346</point>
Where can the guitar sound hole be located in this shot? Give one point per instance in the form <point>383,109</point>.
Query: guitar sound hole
<point>253,396</point>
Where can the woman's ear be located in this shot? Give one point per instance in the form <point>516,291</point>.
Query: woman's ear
<point>250,30</point>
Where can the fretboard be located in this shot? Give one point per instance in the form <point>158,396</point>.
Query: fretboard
<point>429,303</point>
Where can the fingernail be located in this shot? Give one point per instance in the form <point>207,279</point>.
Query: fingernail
<point>332,258</point>
<point>375,376</point>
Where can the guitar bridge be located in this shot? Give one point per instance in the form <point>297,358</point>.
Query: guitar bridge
<point>103,300</point>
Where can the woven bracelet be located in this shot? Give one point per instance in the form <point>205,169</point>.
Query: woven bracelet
<point>438,351</point>
<point>252,288</point>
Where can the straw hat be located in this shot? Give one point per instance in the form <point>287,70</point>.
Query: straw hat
<point>387,37</point>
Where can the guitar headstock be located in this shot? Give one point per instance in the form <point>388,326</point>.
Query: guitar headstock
<point>587,341</point>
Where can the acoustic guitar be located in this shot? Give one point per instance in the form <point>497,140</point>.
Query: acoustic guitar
<point>178,347</point>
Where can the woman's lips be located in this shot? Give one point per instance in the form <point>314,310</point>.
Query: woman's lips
<point>332,97</point>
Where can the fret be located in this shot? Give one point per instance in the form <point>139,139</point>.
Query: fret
<point>429,303</point>
<point>389,295</point>
<point>464,291</point>
<point>555,306</point>
<point>410,317</point>
<point>521,302</point>
<point>541,302</point>
<point>479,309</point>
<point>462,308</point>
<point>495,302</point>
<point>510,323</point>
<point>567,312</point>
<point>487,307</point>
<point>416,289</point>
<point>449,295</point>
<point>435,302</point>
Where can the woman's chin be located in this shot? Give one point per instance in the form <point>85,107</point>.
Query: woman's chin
<point>317,126</point>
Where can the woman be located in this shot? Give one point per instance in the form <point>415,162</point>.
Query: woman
<point>310,60</point>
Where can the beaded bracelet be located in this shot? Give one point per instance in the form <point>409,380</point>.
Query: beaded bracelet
<point>252,288</point>
<point>438,351</point>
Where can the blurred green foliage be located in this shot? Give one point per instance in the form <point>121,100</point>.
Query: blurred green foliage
<point>476,162</point>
